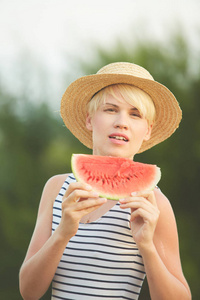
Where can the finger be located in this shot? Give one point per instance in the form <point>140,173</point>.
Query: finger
<point>139,203</point>
<point>151,217</point>
<point>77,194</point>
<point>77,186</point>
<point>86,207</point>
<point>146,194</point>
<point>149,195</point>
<point>142,206</point>
<point>90,203</point>
<point>144,198</point>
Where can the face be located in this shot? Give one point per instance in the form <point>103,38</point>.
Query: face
<point>117,128</point>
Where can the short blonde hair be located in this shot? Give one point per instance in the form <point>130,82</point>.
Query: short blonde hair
<point>131,94</point>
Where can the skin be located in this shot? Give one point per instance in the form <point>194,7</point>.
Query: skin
<point>153,224</point>
<point>116,118</point>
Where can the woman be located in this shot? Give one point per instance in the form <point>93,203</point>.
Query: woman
<point>100,249</point>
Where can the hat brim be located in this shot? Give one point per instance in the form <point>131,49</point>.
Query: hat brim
<point>79,93</point>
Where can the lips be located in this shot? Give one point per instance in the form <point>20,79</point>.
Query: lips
<point>119,136</point>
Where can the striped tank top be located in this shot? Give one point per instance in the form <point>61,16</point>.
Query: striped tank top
<point>101,261</point>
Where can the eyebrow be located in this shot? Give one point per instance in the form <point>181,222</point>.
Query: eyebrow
<point>132,108</point>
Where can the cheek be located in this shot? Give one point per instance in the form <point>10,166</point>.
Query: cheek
<point>99,122</point>
<point>142,131</point>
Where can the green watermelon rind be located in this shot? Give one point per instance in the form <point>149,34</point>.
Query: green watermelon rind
<point>108,195</point>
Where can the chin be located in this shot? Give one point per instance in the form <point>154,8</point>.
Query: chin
<point>120,154</point>
<point>115,152</point>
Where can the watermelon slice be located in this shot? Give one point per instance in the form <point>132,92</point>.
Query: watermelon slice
<point>114,177</point>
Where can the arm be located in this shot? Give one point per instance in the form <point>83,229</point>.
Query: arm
<point>45,250</point>
<point>154,230</point>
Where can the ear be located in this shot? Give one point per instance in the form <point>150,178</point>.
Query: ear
<point>148,134</point>
<point>89,123</point>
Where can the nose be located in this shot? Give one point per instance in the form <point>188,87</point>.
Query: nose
<point>121,122</point>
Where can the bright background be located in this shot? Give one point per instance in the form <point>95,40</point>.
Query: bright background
<point>49,32</point>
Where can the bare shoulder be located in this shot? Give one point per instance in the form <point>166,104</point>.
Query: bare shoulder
<point>42,229</point>
<point>166,226</point>
<point>55,183</point>
<point>163,203</point>
<point>49,194</point>
<point>52,187</point>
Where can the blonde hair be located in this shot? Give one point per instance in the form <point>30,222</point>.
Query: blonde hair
<point>131,94</point>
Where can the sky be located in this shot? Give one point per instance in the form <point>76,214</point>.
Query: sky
<point>47,32</point>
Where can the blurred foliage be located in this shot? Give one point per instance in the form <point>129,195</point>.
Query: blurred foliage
<point>34,145</point>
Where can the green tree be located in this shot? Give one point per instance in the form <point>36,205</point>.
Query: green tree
<point>34,145</point>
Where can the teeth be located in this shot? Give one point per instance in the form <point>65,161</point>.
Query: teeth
<point>119,138</point>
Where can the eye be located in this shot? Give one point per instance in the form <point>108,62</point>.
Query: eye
<point>110,109</point>
<point>136,113</point>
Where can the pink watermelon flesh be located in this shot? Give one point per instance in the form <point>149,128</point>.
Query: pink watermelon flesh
<point>114,177</point>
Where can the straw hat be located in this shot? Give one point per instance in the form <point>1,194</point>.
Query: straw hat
<point>80,92</point>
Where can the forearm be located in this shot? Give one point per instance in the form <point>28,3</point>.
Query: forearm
<point>162,284</point>
<point>37,272</point>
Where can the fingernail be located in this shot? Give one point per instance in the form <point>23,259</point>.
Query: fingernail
<point>94,194</point>
<point>133,193</point>
<point>103,199</point>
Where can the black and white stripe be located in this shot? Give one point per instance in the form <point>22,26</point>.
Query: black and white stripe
<point>101,261</point>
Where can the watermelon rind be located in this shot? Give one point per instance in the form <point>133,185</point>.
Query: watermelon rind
<point>118,179</point>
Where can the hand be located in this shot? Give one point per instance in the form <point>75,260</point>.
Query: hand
<point>78,201</point>
<point>144,216</point>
